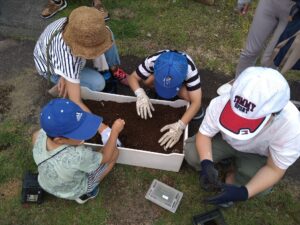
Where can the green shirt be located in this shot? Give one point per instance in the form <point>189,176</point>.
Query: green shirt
<point>66,174</point>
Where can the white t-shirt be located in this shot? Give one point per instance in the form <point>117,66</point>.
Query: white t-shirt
<point>280,138</point>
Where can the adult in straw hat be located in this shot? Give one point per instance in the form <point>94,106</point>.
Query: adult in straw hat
<point>64,46</point>
<point>260,133</point>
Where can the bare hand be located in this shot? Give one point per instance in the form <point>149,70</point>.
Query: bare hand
<point>118,125</point>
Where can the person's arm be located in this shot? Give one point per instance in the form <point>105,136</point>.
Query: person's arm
<point>34,136</point>
<point>143,104</point>
<point>204,147</point>
<point>74,93</point>
<point>133,81</point>
<point>265,178</point>
<point>195,103</point>
<point>109,148</point>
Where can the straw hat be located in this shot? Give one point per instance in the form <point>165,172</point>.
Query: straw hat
<point>86,33</point>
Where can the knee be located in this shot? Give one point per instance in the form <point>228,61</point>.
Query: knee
<point>98,85</point>
<point>192,158</point>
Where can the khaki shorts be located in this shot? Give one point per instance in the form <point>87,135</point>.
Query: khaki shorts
<point>246,164</point>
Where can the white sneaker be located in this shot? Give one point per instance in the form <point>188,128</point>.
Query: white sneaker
<point>225,88</point>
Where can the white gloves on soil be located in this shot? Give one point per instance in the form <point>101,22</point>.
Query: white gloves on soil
<point>170,138</point>
<point>143,104</point>
<point>105,135</point>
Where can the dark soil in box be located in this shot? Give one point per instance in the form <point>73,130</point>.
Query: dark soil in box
<point>138,133</point>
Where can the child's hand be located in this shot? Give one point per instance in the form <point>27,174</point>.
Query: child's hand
<point>118,125</point>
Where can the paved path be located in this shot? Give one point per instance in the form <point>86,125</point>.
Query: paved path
<point>21,18</point>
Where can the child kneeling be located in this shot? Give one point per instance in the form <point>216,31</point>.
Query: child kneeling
<point>67,168</point>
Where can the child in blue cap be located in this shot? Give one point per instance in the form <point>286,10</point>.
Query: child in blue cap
<point>67,168</point>
<point>172,73</point>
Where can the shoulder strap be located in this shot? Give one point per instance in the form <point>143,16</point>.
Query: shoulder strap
<point>52,156</point>
<point>48,51</point>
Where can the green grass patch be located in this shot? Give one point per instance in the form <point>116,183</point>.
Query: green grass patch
<point>15,153</point>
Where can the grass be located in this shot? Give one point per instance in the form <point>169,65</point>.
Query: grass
<point>214,37</point>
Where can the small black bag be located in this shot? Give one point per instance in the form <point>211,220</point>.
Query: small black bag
<point>31,190</point>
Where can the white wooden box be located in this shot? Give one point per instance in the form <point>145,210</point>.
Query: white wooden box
<point>137,157</point>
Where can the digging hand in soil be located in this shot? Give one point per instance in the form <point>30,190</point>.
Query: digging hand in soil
<point>169,139</point>
<point>143,104</point>
<point>118,126</point>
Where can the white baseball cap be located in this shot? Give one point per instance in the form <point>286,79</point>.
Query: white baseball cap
<point>255,95</point>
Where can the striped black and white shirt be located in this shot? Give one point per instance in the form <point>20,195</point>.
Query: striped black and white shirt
<point>62,61</point>
<point>192,80</point>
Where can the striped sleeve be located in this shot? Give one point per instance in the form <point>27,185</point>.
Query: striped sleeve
<point>192,80</point>
<point>145,69</point>
<point>62,61</point>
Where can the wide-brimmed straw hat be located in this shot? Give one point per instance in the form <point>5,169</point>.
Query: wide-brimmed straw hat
<point>86,33</point>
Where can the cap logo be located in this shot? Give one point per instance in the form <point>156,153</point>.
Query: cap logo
<point>244,131</point>
<point>167,81</point>
<point>243,104</point>
<point>78,116</point>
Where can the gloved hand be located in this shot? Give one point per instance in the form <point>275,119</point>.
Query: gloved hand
<point>229,193</point>
<point>208,176</point>
<point>143,104</point>
<point>170,138</point>
<point>105,135</point>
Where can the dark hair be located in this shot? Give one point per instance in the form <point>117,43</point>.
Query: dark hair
<point>50,137</point>
<point>276,113</point>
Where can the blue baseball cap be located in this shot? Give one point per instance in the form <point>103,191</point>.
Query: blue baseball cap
<point>170,71</point>
<point>63,118</point>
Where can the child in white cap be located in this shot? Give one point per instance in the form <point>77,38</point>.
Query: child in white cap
<point>260,131</point>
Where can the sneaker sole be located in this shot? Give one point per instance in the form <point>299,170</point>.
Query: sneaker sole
<point>61,8</point>
<point>79,201</point>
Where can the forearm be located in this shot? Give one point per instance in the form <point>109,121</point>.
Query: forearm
<point>133,82</point>
<point>265,178</point>
<point>74,93</point>
<point>204,146</point>
<point>109,148</point>
<point>190,112</point>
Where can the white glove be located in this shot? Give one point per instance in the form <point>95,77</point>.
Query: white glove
<point>105,135</point>
<point>143,104</point>
<point>170,138</point>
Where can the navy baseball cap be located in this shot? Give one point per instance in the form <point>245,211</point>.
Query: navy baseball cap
<point>170,71</point>
<point>63,118</point>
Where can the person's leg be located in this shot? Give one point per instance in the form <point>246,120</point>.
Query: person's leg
<point>282,12</point>
<point>263,25</point>
<point>220,150</point>
<point>52,7</point>
<point>91,79</point>
<point>98,175</point>
<point>247,165</point>
<point>190,153</point>
<point>113,60</point>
